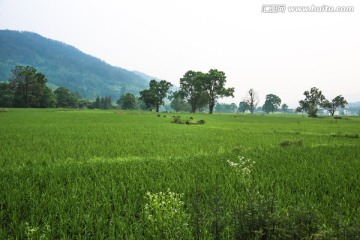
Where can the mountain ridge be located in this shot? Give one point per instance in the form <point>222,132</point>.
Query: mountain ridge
<point>65,65</point>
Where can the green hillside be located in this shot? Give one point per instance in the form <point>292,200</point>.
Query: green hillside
<point>64,65</point>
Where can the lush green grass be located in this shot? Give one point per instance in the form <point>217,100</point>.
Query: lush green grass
<point>105,174</point>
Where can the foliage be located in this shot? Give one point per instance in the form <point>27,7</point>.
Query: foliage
<point>178,103</point>
<point>252,100</point>
<point>102,103</point>
<point>313,100</point>
<point>225,107</point>
<point>65,98</point>
<point>272,103</point>
<point>201,88</point>
<point>337,102</point>
<point>190,121</point>
<point>243,106</point>
<point>154,96</point>
<point>214,85</point>
<point>284,107</point>
<point>127,101</point>
<point>192,89</point>
<point>29,88</point>
<point>6,95</point>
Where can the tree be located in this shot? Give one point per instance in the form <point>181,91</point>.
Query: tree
<point>233,107</point>
<point>127,101</point>
<point>337,102</point>
<point>243,106</point>
<point>6,95</point>
<point>154,96</point>
<point>252,100</point>
<point>214,85</point>
<point>178,103</point>
<point>29,87</point>
<point>47,99</point>
<point>284,107</point>
<point>313,100</point>
<point>192,89</point>
<point>65,98</point>
<point>272,103</point>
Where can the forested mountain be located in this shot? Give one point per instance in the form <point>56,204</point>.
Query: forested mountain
<point>64,65</point>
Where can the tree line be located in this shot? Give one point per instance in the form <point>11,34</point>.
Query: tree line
<point>27,88</point>
<point>198,91</point>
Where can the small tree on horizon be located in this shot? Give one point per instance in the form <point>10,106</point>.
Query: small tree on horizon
<point>337,102</point>
<point>154,96</point>
<point>313,100</point>
<point>272,103</point>
<point>252,100</point>
<point>127,101</point>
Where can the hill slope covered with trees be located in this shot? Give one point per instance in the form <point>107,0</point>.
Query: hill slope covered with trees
<point>64,65</point>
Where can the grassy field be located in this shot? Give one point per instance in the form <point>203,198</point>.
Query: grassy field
<point>135,175</point>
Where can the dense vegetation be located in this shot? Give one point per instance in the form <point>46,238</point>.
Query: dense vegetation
<point>134,175</point>
<point>66,66</point>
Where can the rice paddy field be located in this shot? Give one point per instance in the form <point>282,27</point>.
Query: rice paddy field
<point>92,174</point>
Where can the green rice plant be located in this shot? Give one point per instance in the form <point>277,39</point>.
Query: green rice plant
<point>84,175</point>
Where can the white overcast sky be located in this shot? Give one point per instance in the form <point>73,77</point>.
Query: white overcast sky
<point>284,54</point>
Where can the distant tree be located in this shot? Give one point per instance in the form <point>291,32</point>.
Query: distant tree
<point>97,103</point>
<point>252,100</point>
<point>313,100</point>
<point>107,102</point>
<point>127,101</point>
<point>65,98</point>
<point>29,87</point>
<point>154,96</point>
<point>192,89</point>
<point>178,103</point>
<point>6,95</point>
<point>272,103</point>
<point>233,107</point>
<point>214,85</point>
<point>47,99</point>
<point>243,106</point>
<point>284,107</point>
<point>337,102</point>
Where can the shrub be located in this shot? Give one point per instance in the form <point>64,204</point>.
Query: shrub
<point>190,121</point>
<point>288,143</point>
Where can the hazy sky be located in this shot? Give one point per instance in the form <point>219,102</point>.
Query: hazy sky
<point>280,53</point>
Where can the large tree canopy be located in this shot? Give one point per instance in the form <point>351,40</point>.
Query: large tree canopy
<point>200,88</point>
<point>127,101</point>
<point>66,98</point>
<point>272,103</point>
<point>337,102</point>
<point>214,86</point>
<point>243,106</point>
<point>154,96</point>
<point>313,100</point>
<point>192,89</point>
<point>30,88</point>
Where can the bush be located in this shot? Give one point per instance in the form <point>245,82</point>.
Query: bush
<point>190,121</point>
<point>288,143</point>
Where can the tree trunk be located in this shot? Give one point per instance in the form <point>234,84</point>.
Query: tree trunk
<point>211,106</point>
